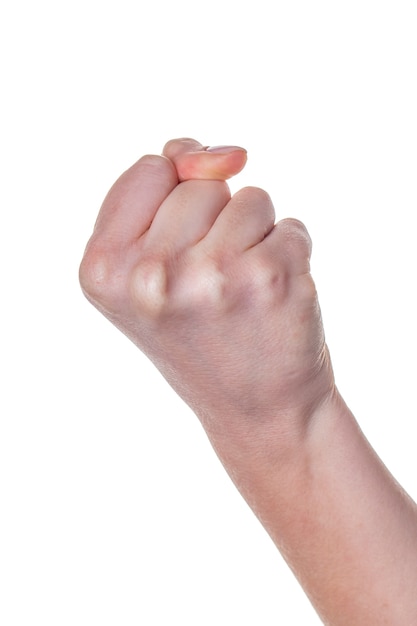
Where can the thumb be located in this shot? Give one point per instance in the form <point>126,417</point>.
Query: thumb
<point>194,161</point>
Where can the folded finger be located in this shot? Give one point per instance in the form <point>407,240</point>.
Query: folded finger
<point>289,245</point>
<point>186,215</point>
<point>243,223</point>
<point>132,202</point>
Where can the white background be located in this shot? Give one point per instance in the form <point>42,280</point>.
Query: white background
<point>114,509</point>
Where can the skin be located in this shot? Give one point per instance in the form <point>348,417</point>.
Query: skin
<point>220,297</point>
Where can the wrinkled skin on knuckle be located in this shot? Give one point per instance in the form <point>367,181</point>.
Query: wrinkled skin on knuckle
<point>256,195</point>
<point>296,239</point>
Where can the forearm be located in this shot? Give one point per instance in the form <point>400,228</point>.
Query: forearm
<point>345,527</point>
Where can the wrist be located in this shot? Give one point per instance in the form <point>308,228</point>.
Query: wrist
<point>274,458</point>
<point>286,435</point>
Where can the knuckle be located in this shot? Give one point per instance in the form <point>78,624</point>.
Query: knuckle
<point>154,166</point>
<point>254,195</point>
<point>296,234</point>
<point>152,160</point>
<point>96,274</point>
<point>205,287</point>
<point>256,200</point>
<point>149,287</point>
<point>307,289</point>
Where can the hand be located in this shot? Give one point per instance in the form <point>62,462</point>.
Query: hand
<point>219,297</point>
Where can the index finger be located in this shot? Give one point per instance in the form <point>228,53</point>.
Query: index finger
<point>133,200</point>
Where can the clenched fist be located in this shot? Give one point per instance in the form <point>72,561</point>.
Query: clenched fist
<point>216,293</point>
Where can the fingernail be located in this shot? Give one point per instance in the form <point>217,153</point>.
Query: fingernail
<point>224,149</point>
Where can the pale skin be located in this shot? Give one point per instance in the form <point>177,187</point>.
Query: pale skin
<point>219,295</point>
